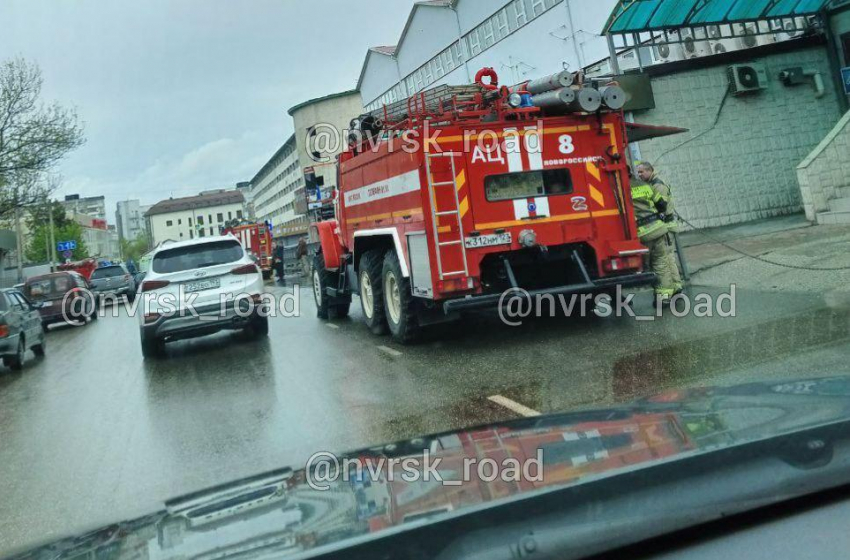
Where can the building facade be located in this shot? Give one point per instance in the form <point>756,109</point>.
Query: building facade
<point>448,41</point>
<point>274,188</point>
<point>181,219</point>
<point>130,219</point>
<point>94,206</point>
<point>101,239</point>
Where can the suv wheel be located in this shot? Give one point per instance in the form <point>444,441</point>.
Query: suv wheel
<point>258,327</point>
<point>372,291</point>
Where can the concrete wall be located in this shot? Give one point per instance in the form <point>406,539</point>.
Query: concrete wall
<point>381,72</point>
<point>745,167</point>
<point>824,174</point>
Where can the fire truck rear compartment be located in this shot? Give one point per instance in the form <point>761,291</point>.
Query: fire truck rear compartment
<point>536,269</point>
<point>564,269</point>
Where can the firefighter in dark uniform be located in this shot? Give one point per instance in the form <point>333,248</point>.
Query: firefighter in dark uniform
<point>653,203</point>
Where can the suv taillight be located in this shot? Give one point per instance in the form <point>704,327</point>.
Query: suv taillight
<point>149,285</point>
<point>4,331</point>
<point>246,269</point>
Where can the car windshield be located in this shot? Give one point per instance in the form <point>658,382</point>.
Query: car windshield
<point>458,278</point>
<point>107,272</point>
<point>196,256</point>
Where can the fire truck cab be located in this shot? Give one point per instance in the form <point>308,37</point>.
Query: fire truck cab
<point>451,199</point>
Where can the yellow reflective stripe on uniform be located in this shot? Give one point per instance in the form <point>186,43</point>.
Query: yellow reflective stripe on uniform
<point>643,192</point>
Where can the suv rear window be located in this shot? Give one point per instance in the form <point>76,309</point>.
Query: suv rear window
<point>107,272</point>
<point>196,256</point>
<point>528,185</point>
<point>50,286</point>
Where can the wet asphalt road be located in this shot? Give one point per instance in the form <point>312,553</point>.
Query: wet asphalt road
<point>93,433</point>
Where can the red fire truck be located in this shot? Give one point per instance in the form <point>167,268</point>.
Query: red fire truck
<point>257,240</point>
<point>457,194</point>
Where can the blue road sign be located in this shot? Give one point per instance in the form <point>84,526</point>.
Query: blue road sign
<point>845,79</point>
<point>62,246</point>
<point>67,254</point>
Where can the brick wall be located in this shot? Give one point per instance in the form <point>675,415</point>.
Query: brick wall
<point>744,168</point>
<point>824,174</point>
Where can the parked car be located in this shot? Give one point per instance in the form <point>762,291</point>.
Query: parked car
<point>216,269</point>
<point>20,328</point>
<point>48,294</point>
<point>114,280</point>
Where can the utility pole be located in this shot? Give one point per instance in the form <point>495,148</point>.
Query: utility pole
<point>51,238</point>
<point>19,243</point>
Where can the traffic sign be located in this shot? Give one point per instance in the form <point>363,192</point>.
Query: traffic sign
<point>845,78</point>
<point>67,254</point>
<point>66,245</point>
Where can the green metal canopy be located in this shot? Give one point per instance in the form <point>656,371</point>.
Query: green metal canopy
<point>637,16</point>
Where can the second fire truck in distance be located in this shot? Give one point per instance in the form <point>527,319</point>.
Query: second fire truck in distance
<point>255,239</point>
<point>452,197</point>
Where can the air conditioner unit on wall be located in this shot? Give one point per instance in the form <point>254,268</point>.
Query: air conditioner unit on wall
<point>747,78</point>
<point>721,46</point>
<point>750,35</point>
<point>790,29</point>
<point>667,52</point>
<point>694,48</point>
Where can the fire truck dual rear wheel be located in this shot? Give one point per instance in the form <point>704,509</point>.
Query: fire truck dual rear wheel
<point>372,292</point>
<point>399,302</point>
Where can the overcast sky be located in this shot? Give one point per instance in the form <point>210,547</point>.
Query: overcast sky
<point>180,96</point>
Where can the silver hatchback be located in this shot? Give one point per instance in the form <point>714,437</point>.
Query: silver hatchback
<point>113,280</point>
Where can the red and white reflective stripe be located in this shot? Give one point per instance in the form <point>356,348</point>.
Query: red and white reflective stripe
<point>531,208</point>
<point>513,150</point>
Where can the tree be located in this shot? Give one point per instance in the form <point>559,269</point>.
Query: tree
<point>33,136</point>
<point>39,215</point>
<point>133,250</point>
<point>40,239</point>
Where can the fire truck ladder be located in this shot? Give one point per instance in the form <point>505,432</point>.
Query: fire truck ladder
<point>436,213</point>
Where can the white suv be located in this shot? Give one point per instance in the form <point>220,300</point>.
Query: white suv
<point>192,289</point>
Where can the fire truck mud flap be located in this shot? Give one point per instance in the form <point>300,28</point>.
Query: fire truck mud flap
<point>599,285</point>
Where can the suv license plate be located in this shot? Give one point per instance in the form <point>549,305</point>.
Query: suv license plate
<point>488,240</point>
<point>202,285</point>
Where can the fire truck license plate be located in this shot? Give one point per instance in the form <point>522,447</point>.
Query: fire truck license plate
<point>202,285</point>
<point>488,240</point>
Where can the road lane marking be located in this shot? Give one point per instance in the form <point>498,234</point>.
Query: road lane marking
<point>513,405</point>
<point>390,351</point>
<point>332,326</point>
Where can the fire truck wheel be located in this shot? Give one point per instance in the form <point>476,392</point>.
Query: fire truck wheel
<point>398,301</point>
<point>371,291</point>
<point>326,306</point>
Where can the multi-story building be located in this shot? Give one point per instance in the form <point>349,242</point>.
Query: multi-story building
<point>100,238</point>
<point>179,219</point>
<point>320,135</point>
<point>94,206</point>
<point>130,219</point>
<point>273,188</point>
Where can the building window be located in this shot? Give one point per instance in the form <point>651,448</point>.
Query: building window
<point>210,219</point>
<point>191,234</point>
<point>179,221</point>
<point>229,215</point>
<point>239,213</point>
<point>473,43</point>
<point>168,223</point>
<point>502,27</point>
<point>519,12</point>
<point>487,31</point>
<point>538,7</point>
<point>220,217</point>
<point>200,220</point>
<point>190,222</point>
